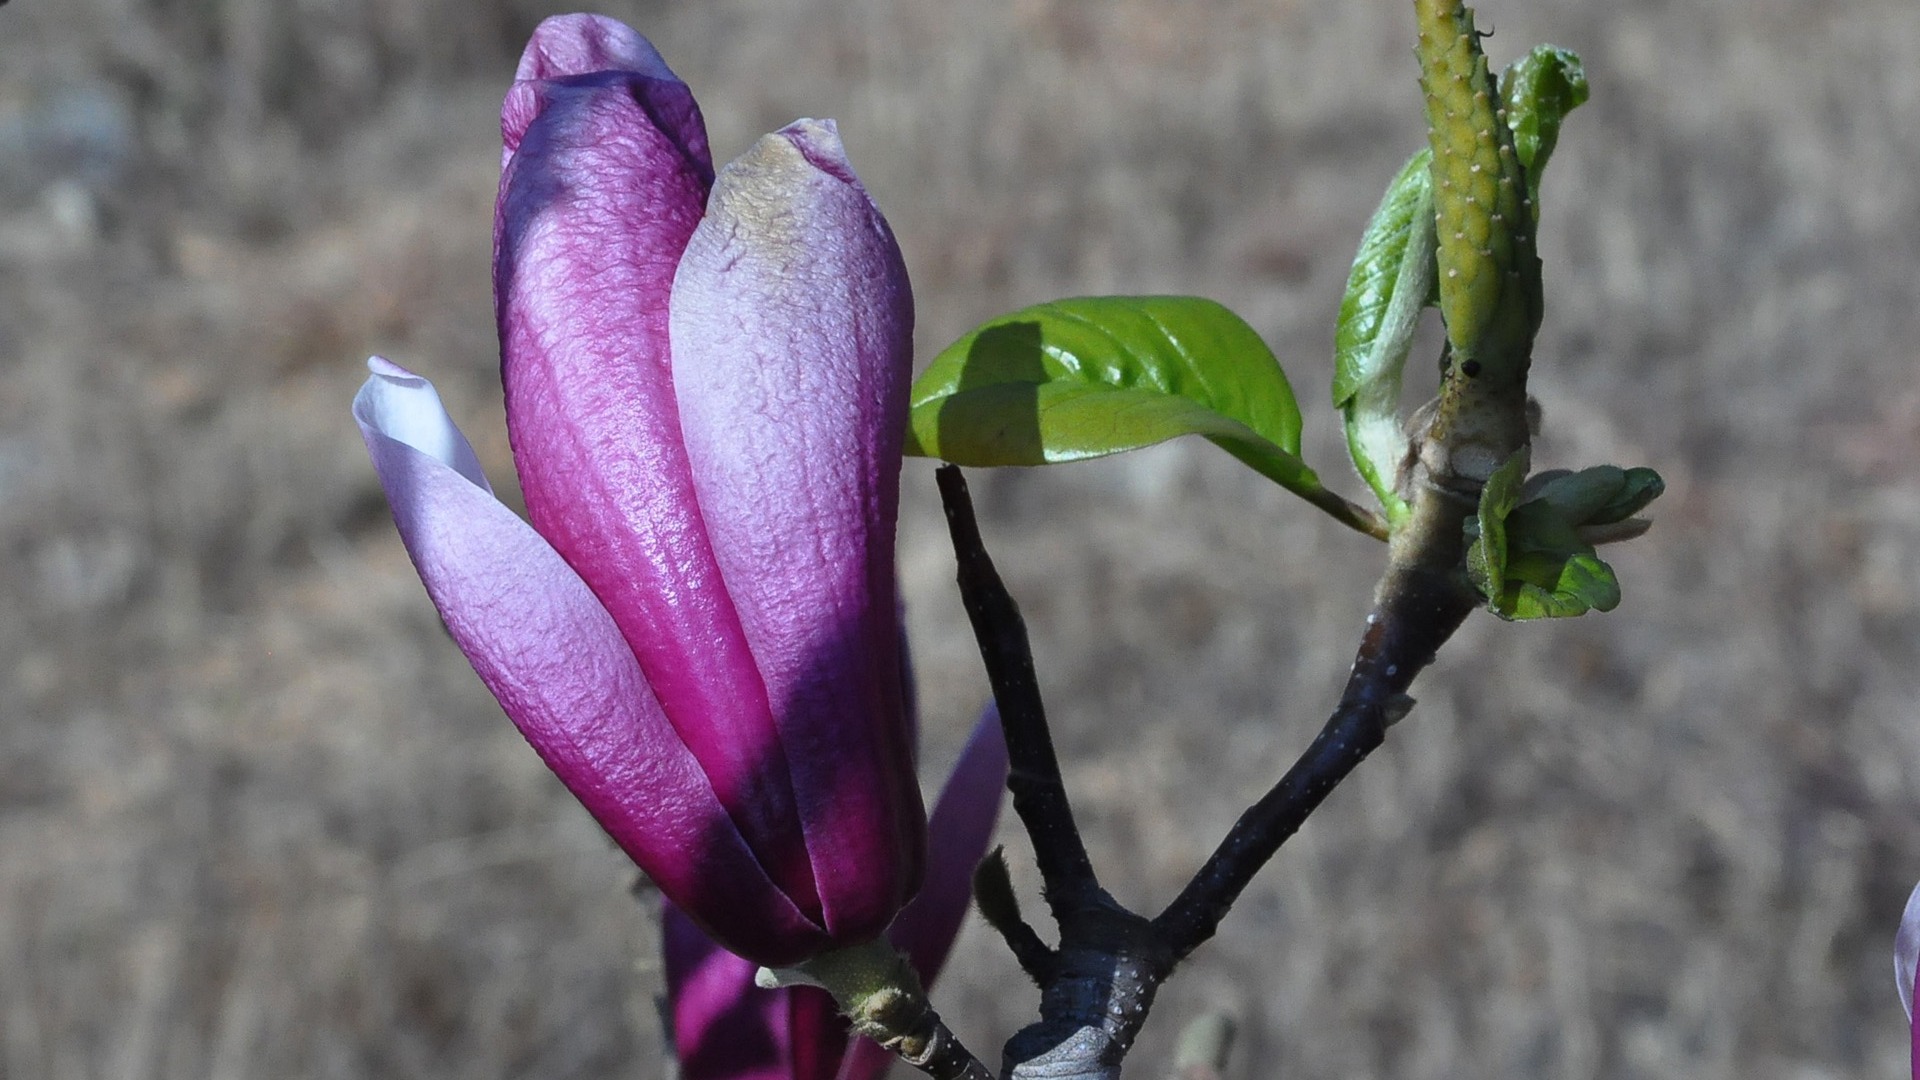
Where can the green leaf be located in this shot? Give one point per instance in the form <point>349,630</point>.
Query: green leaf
<point>1557,586</point>
<point>1091,376</point>
<point>1640,487</point>
<point>1599,495</point>
<point>1487,554</point>
<point>1528,559</point>
<point>1392,280</point>
<point>1540,89</point>
<point>1577,497</point>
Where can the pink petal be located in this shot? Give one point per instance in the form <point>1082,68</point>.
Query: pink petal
<point>559,667</point>
<point>957,837</point>
<point>791,325</point>
<point>596,206</point>
<point>726,1028</point>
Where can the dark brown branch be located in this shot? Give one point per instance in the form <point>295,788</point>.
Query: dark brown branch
<point>1098,985</point>
<point>1422,601</point>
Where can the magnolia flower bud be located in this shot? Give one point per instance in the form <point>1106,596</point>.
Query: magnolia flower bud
<point>706,383</point>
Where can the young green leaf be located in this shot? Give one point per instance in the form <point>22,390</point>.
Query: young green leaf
<point>1601,495</point>
<point>1487,553</point>
<point>1530,559</point>
<point>1548,585</point>
<point>1179,346</point>
<point>1091,376</point>
<point>1390,283</point>
<point>1578,496</point>
<point>1539,90</point>
<point>1638,487</point>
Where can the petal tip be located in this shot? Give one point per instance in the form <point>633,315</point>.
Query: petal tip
<point>396,404</point>
<point>384,368</point>
<point>582,44</point>
<point>819,142</point>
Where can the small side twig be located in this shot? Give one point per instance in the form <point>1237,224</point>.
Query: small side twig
<point>993,892</point>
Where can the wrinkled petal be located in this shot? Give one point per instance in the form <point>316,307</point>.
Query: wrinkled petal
<point>565,45</point>
<point>552,656</point>
<point>792,330</point>
<point>957,836</point>
<point>604,52</point>
<point>596,206</point>
<point>727,1028</point>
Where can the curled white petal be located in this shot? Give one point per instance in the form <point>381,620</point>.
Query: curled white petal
<point>406,408</point>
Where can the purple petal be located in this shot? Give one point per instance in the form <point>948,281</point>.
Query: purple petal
<point>596,206</point>
<point>957,836</point>
<point>866,1059</point>
<point>583,44</point>
<point>726,1028</point>
<point>1906,951</point>
<point>820,1035</point>
<point>791,325</point>
<point>552,656</point>
<point>567,47</point>
<point>406,408</point>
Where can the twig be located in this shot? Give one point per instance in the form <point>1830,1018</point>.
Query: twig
<point>930,1047</point>
<point>1421,603</point>
<point>1098,985</point>
<point>993,893</point>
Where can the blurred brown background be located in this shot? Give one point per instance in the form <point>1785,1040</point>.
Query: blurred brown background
<point>259,820</point>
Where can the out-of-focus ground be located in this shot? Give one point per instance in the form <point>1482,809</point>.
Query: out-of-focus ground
<point>258,819</point>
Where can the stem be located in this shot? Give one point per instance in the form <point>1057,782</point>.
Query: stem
<point>1350,513</point>
<point>882,998</point>
<point>1421,603</point>
<point>1097,987</point>
<point>930,1047</point>
<point>1111,964</point>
